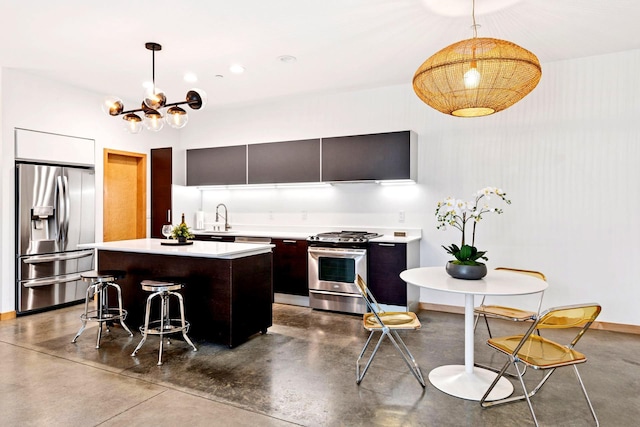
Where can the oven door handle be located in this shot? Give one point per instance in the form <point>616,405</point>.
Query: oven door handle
<point>341,294</point>
<point>337,251</point>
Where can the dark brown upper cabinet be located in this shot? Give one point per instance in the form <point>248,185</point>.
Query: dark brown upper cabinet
<point>217,165</point>
<point>161,180</point>
<point>380,156</point>
<point>375,157</point>
<point>280,162</point>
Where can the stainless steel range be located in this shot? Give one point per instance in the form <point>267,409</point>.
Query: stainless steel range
<point>335,260</point>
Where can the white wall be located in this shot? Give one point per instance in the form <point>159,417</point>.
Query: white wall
<point>566,155</point>
<point>31,102</point>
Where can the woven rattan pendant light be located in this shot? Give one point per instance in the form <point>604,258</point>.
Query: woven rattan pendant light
<point>477,77</point>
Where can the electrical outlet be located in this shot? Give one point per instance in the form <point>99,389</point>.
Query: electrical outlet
<point>401,216</point>
<point>304,215</point>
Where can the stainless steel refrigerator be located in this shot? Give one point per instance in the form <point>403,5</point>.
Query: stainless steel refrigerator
<point>55,212</point>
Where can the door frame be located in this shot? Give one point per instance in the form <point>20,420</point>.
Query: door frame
<point>141,189</point>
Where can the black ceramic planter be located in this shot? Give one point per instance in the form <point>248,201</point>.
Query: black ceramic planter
<point>467,272</point>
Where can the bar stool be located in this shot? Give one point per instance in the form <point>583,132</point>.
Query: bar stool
<point>165,325</point>
<point>99,284</point>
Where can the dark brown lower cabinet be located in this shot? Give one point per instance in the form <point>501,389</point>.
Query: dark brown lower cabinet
<point>290,273</point>
<point>385,263</point>
<point>213,238</point>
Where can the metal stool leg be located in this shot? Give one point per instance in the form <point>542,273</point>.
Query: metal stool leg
<point>86,312</point>
<point>103,309</point>
<point>163,324</point>
<point>145,328</point>
<point>184,327</point>
<point>167,316</point>
<point>123,314</point>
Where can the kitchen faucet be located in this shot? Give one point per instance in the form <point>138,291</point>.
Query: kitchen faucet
<point>226,222</point>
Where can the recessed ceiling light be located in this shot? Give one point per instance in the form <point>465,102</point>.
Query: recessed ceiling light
<point>190,77</point>
<point>236,69</point>
<point>287,59</point>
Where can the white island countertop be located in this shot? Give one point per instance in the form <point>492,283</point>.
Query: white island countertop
<point>221,250</point>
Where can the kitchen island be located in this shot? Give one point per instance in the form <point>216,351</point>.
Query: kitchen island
<point>228,286</point>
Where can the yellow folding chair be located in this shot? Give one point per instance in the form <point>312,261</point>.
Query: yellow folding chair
<point>542,353</point>
<point>508,313</point>
<point>387,323</point>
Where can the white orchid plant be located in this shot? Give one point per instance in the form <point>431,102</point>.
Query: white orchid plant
<point>456,213</point>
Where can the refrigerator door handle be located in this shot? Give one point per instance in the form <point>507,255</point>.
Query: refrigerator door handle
<point>35,283</point>
<point>37,259</point>
<point>59,197</point>
<point>63,183</point>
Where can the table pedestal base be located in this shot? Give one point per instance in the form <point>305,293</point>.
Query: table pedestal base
<point>454,380</point>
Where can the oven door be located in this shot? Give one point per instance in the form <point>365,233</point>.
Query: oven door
<point>332,278</point>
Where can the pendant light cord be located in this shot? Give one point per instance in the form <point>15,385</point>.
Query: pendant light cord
<point>473,17</point>
<point>153,69</point>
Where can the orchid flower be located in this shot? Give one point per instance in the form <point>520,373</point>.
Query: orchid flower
<point>456,212</point>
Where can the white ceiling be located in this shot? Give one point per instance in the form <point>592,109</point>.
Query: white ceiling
<point>339,44</point>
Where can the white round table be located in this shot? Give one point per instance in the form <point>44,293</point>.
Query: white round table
<point>466,381</point>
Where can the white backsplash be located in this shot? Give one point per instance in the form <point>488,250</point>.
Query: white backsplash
<point>359,206</point>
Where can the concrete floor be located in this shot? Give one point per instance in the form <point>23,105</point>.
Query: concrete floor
<point>302,372</point>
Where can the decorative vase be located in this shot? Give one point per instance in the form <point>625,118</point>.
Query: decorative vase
<point>182,239</point>
<point>467,272</point>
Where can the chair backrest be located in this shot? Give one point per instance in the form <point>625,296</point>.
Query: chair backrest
<point>533,273</point>
<point>368,297</point>
<point>570,316</point>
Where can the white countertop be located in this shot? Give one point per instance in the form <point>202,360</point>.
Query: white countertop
<point>390,238</point>
<point>303,235</point>
<point>220,250</point>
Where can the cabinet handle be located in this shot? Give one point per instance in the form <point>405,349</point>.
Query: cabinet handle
<point>215,237</point>
<point>289,241</point>
<point>169,215</point>
<point>386,244</point>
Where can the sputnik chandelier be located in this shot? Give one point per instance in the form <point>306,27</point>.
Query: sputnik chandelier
<point>477,76</point>
<point>153,104</point>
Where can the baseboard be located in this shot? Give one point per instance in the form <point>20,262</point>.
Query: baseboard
<point>8,315</point>
<point>291,299</point>
<point>616,327</point>
<point>603,326</point>
<point>441,307</point>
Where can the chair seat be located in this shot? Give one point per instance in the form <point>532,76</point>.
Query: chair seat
<point>102,276</point>
<point>509,313</point>
<point>538,352</point>
<point>158,286</point>
<point>393,320</point>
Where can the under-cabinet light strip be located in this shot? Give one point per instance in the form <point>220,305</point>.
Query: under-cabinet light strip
<point>264,186</point>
